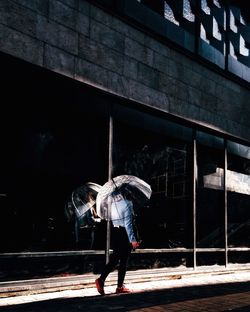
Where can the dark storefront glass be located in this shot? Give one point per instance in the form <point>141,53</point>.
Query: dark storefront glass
<point>239,257</point>
<point>238,186</point>
<point>172,259</point>
<point>54,138</point>
<point>157,151</point>
<point>210,213</point>
<point>210,191</point>
<point>210,258</point>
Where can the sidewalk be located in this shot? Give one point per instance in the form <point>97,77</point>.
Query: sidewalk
<point>191,292</point>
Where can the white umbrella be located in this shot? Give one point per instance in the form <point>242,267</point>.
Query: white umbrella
<point>77,208</point>
<point>127,186</point>
<point>84,198</point>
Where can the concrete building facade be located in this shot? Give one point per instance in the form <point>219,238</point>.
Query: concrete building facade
<point>84,42</point>
<point>126,52</point>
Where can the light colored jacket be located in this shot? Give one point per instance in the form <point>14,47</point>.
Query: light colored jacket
<point>122,214</point>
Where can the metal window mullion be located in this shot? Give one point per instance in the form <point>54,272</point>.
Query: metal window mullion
<point>197,26</point>
<point>194,194</point>
<point>225,203</point>
<point>110,169</point>
<point>227,32</point>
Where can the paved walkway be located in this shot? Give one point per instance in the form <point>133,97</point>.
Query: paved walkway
<point>211,293</point>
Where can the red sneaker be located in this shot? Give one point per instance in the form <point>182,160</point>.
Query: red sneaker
<point>122,290</point>
<point>99,286</point>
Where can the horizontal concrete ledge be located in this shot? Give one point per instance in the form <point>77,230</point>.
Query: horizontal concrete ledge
<point>41,254</point>
<point>36,286</point>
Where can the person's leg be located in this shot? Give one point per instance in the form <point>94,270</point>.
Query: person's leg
<point>115,256</point>
<point>123,256</point>
<point>109,267</point>
<point>122,269</point>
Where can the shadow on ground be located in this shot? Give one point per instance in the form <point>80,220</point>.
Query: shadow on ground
<point>138,301</point>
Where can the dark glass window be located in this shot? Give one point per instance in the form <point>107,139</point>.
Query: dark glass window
<point>210,191</point>
<point>157,151</point>
<point>239,257</point>
<point>238,186</point>
<point>54,138</point>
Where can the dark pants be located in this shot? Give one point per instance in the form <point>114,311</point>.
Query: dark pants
<point>121,252</point>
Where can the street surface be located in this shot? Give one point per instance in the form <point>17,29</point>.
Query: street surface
<point>212,293</point>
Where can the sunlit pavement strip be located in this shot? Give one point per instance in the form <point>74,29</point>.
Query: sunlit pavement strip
<point>134,287</point>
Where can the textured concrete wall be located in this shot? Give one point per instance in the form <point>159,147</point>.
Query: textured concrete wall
<point>79,40</point>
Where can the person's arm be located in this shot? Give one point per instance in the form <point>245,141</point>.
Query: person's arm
<point>128,223</point>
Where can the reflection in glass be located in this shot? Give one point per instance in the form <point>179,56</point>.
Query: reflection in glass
<point>205,8</point>
<point>233,26</point>
<point>203,34</point>
<point>216,31</point>
<point>187,12</point>
<point>243,50</point>
<point>232,50</point>
<point>164,163</point>
<point>210,191</point>
<point>214,180</point>
<point>169,14</point>
<point>238,184</point>
<point>217,3</point>
<point>242,20</point>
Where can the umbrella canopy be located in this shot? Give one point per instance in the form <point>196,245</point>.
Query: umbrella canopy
<point>126,186</point>
<point>79,204</point>
<point>84,198</point>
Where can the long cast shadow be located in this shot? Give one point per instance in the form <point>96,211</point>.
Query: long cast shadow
<point>133,301</point>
